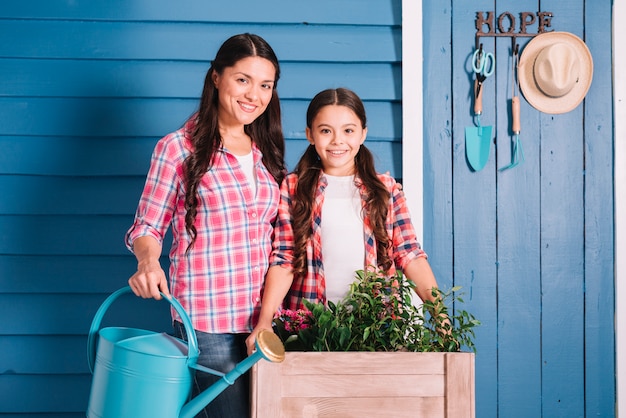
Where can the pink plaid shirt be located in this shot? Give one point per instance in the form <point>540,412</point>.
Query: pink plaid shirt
<point>219,281</point>
<point>312,287</point>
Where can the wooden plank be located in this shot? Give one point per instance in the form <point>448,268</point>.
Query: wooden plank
<point>338,385</point>
<point>76,156</point>
<point>361,12</point>
<point>55,394</point>
<point>43,354</point>
<point>562,247</point>
<point>68,274</point>
<point>82,117</point>
<point>438,145</point>
<point>459,385</point>
<point>70,195</point>
<point>199,42</point>
<point>518,226</point>
<point>265,384</point>
<point>80,414</point>
<point>358,407</point>
<point>41,314</point>
<point>372,81</point>
<point>359,363</point>
<point>93,117</point>
<point>600,328</point>
<point>474,197</point>
<point>64,235</point>
<point>184,79</point>
<point>101,78</point>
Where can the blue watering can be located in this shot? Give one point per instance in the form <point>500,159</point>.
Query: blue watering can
<point>139,373</point>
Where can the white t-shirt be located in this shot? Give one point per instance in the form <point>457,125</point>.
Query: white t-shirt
<point>343,244</point>
<point>247,165</point>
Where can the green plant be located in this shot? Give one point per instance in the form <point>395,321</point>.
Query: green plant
<point>378,314</point>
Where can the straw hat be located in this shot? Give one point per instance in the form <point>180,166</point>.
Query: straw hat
<point>555,72</point>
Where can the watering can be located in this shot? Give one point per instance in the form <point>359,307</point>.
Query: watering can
<point>139,373</point>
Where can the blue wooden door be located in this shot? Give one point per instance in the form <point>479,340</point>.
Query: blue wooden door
<point>531,246</point>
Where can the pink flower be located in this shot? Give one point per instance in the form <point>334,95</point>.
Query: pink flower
<point>294,321</point>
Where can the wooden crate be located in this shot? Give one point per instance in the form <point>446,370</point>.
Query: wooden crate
<point>363,384</point>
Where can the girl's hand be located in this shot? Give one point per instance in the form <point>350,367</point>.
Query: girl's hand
<point>251,340</point>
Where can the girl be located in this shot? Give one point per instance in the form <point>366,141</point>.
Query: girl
<point>338,215</point>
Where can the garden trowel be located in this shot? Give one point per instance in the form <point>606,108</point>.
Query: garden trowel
<point>477,138</point>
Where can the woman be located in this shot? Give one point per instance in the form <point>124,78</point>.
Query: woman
<point>215,181</point>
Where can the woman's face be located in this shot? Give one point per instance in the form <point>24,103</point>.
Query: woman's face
<point>244,90</point>
<point>337,134</point>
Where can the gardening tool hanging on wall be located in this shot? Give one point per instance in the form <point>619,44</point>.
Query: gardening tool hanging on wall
<point>517,153</point>
<point>478,138</point>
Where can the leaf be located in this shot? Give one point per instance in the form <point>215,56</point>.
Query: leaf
<point>344,336</point>
<point>332,306</point>
<point>366,333</point>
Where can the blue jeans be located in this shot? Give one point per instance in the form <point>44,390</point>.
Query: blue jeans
<point>221,352</point>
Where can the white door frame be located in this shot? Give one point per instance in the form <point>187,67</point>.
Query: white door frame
<point>412,156</point>
<point>619,137</point>
<point>412,114</point>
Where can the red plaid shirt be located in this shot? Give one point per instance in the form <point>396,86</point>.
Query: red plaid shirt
<point>312,287</point>
<point>219,281</point>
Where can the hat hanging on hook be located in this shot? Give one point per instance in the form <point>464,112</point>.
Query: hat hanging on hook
<point>555,72</point>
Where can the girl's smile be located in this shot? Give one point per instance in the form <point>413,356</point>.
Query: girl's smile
<point>337,135</point>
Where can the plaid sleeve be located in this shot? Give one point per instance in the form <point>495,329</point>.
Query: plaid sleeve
<point>158,199</point>
<point>282,249</point>
<point>405,245</point>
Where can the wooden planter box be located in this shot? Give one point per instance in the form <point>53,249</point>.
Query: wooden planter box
<point>363,384</point>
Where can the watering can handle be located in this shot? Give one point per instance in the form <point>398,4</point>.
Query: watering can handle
<point>192,342</point>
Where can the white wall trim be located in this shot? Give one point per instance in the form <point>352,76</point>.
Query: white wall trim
<point>619,136</point>
<point>412,113</point>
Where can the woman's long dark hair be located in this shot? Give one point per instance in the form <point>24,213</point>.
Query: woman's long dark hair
<point>266,131</point>
<point>308,171</point>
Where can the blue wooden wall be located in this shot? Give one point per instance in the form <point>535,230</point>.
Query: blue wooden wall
<point>532,246</point>
<point>86,90</point>
<point>88,87</point>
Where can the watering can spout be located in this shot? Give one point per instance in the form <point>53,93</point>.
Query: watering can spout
<point>268,347</point>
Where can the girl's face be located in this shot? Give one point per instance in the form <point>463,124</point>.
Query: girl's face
<point>244,90</point>
<point>337,135</point>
